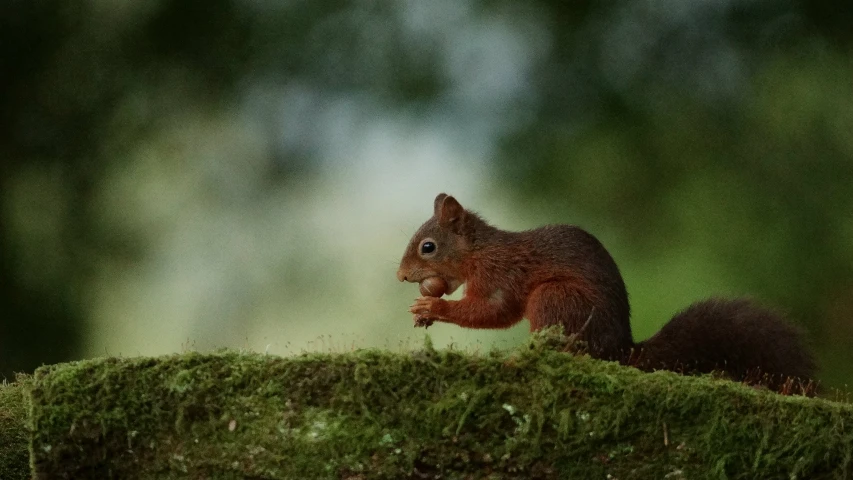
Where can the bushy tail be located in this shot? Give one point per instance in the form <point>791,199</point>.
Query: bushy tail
<point>745,341</point>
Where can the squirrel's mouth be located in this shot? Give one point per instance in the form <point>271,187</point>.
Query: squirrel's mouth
<point>418,276</point>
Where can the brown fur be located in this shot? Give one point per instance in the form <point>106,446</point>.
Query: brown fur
<point>562,275</point>
<point>735,336</point>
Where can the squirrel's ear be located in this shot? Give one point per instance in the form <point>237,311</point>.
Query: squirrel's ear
<point>449,212</point>
<point>436,204</point>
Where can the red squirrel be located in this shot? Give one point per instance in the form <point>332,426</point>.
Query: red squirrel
<point>562,275</point>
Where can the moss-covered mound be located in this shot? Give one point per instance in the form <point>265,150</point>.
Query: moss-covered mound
<point>530,413</point>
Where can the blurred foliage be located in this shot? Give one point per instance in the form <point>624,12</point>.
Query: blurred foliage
<point>725,125</point>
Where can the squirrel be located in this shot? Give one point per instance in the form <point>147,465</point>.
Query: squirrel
<point>562,275</point>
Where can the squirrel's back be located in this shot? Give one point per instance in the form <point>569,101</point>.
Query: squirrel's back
<point>568,249</point>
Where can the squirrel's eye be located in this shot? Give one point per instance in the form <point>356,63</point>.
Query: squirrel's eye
<point>427,247</point>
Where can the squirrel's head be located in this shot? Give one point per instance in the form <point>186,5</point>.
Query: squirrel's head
<point>438,248</point>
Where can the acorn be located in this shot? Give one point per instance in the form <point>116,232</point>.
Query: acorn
<point>433,287</point>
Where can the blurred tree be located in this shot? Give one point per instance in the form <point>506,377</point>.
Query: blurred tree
<point>39,320</point>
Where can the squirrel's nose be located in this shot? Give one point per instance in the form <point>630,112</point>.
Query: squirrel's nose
<point>401,275</point>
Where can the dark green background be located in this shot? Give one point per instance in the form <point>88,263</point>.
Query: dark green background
<point>720,129</point>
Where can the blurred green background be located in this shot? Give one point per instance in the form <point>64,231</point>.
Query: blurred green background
<point>197,174</point>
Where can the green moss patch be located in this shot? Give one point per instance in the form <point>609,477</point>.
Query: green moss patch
<point>14,435</point>
<point>528,413</point>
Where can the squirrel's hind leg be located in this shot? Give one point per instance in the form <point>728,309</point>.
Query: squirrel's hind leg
<point>566,304</point>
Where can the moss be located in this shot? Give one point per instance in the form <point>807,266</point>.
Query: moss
<point>14,435</point>
<point>528,413</point>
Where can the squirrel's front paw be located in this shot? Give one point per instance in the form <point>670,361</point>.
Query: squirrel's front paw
<point>422,321</point>
<point>426,306</point>
<point>427,310</point>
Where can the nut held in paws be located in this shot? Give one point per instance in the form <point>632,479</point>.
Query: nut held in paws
<point>433,287</point>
